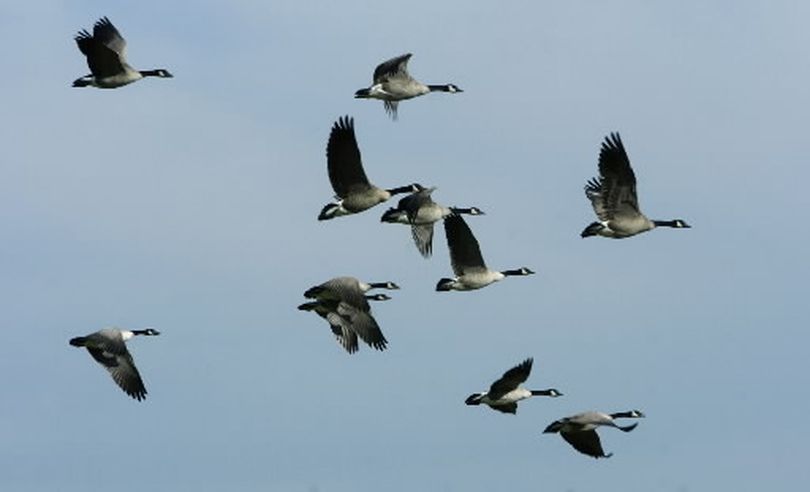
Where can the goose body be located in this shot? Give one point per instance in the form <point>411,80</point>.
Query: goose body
<point>353,190</point>
<point>392,83</point>
<point>506,392</point>
<point>346,288</point>
<point>466,260</point>
<point>343,302</point>
<point>580,430</point>
<point>614,199</point>
<point>108,348</point>
<point>420,212</point>
<point>106,56</point>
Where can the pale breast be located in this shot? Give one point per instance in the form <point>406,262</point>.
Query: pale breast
<point>629,226</point>
<point>477,279</point>
<point>357,202</point>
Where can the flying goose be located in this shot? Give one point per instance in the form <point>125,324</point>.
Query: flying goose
<point>580,430</point>
<point>353,191</point>
<point>504,393</point>
<point>466,260</point>
<point>420,212</point>
<point>613,196</point>
<point>109,349</point>
<point>346,296</point>
<point>392,83</point>
<point>347,322</point>
<point>348,289</point>
<point>106,56</point>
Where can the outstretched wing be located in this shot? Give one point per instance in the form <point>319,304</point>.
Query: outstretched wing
<point>104,49</point>
<point>465,254</point>
<point>342,329</point>
<point>506,408</point>
<point>122,369</point>
<point>391,109</point>
<point>423,238</point>
<point>105,32</point>
<point>343,159</point>
<point>364,325</point>
<point>395,67</point>
<point>511,379</point>
<point>613,194</point>
<point>586,442</point>
<point>422,233</point>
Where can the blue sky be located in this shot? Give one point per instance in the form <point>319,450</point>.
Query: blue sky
<point>189,205</point>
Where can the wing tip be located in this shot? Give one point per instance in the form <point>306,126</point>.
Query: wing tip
<point>612,143</point>
<point>345,122</point>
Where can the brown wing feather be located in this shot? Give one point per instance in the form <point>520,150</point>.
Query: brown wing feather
<point>506,408</point>
<point>343,159</point>
<point>102,61</point>
<point>511,379</point>
<point>123,371</point>
<point>617,181</point>
<point>465,254</point>
<point>586,442</point>
<point>364,325</point>
<point>393,67</point>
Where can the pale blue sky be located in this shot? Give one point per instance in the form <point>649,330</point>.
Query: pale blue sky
<point>189,205</point>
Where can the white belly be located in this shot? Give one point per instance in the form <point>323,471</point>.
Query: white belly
<point>477,280</point>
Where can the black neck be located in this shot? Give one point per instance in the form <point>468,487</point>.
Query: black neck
<point>379,285</point>
<point>439,88</point>
<point>665,223</point>
<point>401,189</point>
<point>457,210</point>
<point>547,392</point>
<point>625,415</point>
<point>512,273</point>
<point>140,332</point>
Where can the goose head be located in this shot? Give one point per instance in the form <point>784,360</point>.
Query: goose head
<point>146,331</point>
<point>160,72</point>
<point>445,284</point>
<point>555,426</point>
<point>384,285</point>
<point>378,297</point>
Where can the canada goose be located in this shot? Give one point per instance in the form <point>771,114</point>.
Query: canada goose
<point>348,289</point>
<point>353,191</point>
<point>613,196</point>
<point>106,56</point>
<point>347,322</point>
<point>420,212</point>
<point>504,393</point>
<point>392,83</point>
<point>466,260</point>
<point>580,430</point>
<point>109,349</point>
<point>346,297</point>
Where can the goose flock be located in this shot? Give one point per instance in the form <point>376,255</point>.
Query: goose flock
<point>343,301</point>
